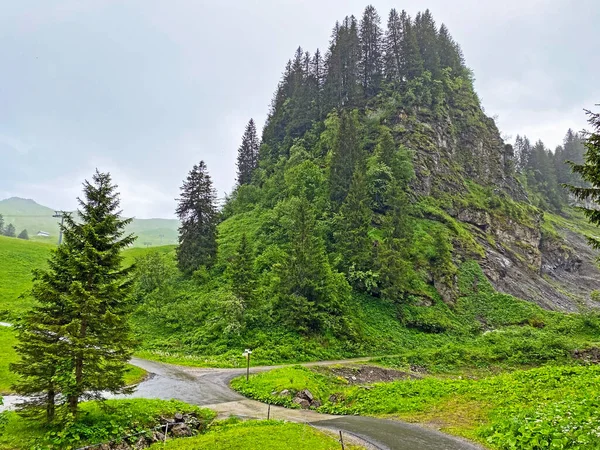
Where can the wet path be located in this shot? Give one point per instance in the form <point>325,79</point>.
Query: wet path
<point>210,388</point>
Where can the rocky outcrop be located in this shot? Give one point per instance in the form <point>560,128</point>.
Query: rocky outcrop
<point>180,425</point>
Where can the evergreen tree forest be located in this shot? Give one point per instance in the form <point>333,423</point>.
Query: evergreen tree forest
<point>375,175</point>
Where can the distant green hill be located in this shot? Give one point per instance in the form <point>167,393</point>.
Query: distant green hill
<point>29,215</point>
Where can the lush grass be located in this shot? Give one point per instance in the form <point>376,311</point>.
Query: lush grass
<point>254,435</point>
<point>547,407</point>
<point>19,258</point>
<point>98,422</point>
<point>8,355</point>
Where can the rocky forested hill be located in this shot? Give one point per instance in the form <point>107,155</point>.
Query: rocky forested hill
<point>378,187</point>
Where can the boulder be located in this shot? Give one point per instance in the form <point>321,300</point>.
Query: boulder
<point>316,404</point>
<point>284,393</point>
<point>304,404</point>
<point>306,394</point>
<point>178,418</point>
<point>181,430</point>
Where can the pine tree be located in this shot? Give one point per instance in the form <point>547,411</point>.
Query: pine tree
<point>247,160</point>
<point>393,264</point>
<point>198,216</point>
<point>412,63</point>
<point>427,38</point>
<point>76,341</point>
<point>371,62</point>
<point>10,230</point>
<point>1,224</point>
<point>310,294</point>
<point>589,171</point>
<point>392,47</point>
<point>450,53</point>
<point>241,272</point>
<point>352,225</point>
<point>23,235</point>
<point>344,157</point>
<point>343,65</point>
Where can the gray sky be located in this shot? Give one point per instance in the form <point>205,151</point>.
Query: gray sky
<point>146,88</point>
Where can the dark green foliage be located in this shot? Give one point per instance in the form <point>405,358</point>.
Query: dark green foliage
<point>345,155</point>
<point>197,213</point>
<point>76,341</point>
<point>310,293</point>
<point>427,38</point>
<point>1,224</point>
<point>371,60</point>
<point>247,160</point>
<point>23,235</point>
<point>589,171</point>
<point>351,230</point>
<point>10,231</point>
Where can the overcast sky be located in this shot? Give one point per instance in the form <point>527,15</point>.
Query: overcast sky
<point>146,88</point>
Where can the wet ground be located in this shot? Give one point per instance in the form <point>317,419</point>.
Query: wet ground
<point>210,388</point>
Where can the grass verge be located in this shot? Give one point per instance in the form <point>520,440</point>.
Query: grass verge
<point>255,435</point>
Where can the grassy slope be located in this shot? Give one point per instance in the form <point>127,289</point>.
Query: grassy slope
<point>18,258</point>
<point>264,435</point>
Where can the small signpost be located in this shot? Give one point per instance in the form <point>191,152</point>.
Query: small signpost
<point>247,354</point>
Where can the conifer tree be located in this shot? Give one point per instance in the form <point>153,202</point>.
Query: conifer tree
<point>412,63</point>
<point>450,53</point>
<point>198,216</point>
<point>352,225</point>
<point>10,230</point>
<point>427,38</point>
<point>392,47</point>
<point>344,157</point>
<point>23,235</point>
<point>371,62</point>
<point>589,171</point>
<point>1,224</point>
<point>76,341</point>
<point>241,272</point>
<point>311,295</point>
<point>247,160</point>
<point>343,61</point>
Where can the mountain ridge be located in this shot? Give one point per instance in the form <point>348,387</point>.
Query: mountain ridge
<point>26,213</point>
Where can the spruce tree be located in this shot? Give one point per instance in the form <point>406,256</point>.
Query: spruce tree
<point>241,272</point>
<point>310,294</point>
<point>247,160</point>
<point>198,216</point>
<point>23,235</point>
<point>1,224</point>
<point>450,53</point>
<point>427,38</point>
<point>345,154</point>
<point>76,341</point>
<point>589,171</point>
<point>10,231</point>
<point>412,63</point>
<point>392,47</point>
<point>371,62</point>
<point>352,225</point>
